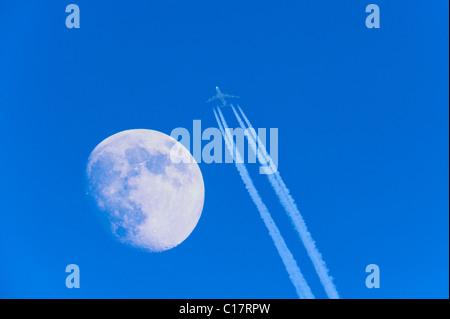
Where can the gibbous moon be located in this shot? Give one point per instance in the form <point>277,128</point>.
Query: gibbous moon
<point>152,196</point>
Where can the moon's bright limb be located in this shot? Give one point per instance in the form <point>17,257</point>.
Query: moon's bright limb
<point>151,201</point>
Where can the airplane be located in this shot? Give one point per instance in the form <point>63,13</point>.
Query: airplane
<point>220,96</point>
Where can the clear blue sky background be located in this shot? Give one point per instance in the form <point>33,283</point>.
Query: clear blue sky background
<point>363,142</point>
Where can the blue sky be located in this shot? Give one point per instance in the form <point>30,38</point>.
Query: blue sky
<point>363,142</point>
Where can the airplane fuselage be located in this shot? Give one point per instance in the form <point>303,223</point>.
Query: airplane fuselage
<point>220,96</point>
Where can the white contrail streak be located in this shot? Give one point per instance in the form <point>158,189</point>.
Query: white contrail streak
<point>299,282</point>
<point>291,208</point>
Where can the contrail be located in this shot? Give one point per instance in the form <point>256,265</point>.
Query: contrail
<point>299,282</point>
<point>291,208</point>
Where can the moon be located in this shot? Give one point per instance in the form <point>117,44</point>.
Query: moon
<point>152,196</point>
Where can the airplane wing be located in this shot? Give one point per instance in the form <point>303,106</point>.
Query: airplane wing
<point>212,99</point>
<point>232,96</point>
